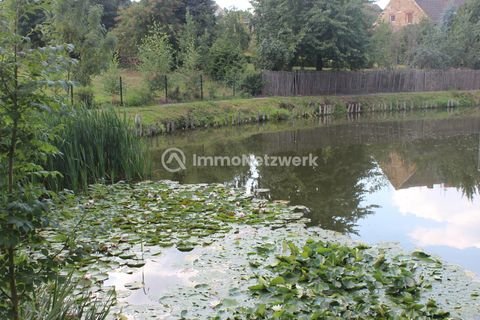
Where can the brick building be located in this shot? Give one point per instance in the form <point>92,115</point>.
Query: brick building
<point>400,13</point>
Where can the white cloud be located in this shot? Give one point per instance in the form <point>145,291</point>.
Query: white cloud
<point>455,221</point>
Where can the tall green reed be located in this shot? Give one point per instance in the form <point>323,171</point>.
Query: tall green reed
<point>97,145</point>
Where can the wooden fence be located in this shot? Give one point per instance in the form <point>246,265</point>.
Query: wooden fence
<point>311,83</point>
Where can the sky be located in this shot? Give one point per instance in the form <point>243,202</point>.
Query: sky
<point>245,4</point>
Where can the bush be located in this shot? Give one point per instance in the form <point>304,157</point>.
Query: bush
<point>83,96</point>
<point>137,97</point>
<point>252,83</point>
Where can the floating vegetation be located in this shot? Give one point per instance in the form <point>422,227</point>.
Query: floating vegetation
<point>207,251</point>
<point>323,280</point>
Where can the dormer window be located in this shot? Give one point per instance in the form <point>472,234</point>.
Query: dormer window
<point>392,18</point>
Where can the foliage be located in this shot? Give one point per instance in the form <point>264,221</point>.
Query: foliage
<point>111,9</point>
<point>319,33</point>
<point>188,55</point>
<point>84,96</point>
<point>57,300</point>
<point>225,60</point>
<point>381,53</point>
<point>327,280</point>
<point>116,154</point>
<point>26,73</point>
<point>273,55</point>
<point>111,78</point>
<point>79,23</point>
<point>135,21</point>
<point>139,96</point>
<point>156,59</point>
<point>233,26</point>
<point>464,35</point>
<point>252,83</point>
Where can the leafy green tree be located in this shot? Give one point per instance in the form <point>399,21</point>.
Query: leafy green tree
<point>189,55</point>
<point>135,21</point>
<point>156,57</point>
<point>432,52</point>
<point>111,10</point>
<point>273,55</point>
<point>318,33</point>
<point>336,34</point>
<point>78,22</point>
<point>202,12</point>
<point>234,25</point>
<point>464,36</point>
<point>278,25</point>
<point>381,51</point>
<point>111,78</point>
<point>225,61</point>
<point>25,73</point>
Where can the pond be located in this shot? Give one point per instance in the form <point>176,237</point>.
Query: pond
<point>408,178</point>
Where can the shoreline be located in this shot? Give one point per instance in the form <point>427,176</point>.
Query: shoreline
<point>164,119</point>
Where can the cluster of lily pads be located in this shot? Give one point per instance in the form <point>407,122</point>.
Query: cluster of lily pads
<point>112,225</point>
<point>324,280</point>
<point>261,246</point>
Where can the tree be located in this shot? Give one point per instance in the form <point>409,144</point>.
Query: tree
<point>189,56</point>
<point>336,34</point>
<point>273,55</point>
<point>381,51</point>
<point>202,13</point>
<point>233,25</point>
<point>155,56</point>
<point>111,9</point>
<point>225,60</point>
<point>464,35</point>
<point>315,33</point>
<point>78,22</point>
<point>25,145</point>
<point>135,21</point>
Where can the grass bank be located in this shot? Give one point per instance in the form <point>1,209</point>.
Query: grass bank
<point>168,118</point>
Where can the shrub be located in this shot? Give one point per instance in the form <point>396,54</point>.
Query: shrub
<point>137,97</point>
<point>252,83</point>
<point>83,96</point>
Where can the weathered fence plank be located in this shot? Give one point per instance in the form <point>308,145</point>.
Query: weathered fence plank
<point>308,83</point>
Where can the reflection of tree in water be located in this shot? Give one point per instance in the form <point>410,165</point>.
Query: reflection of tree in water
<point>333,191</point>
<point>452,161</point>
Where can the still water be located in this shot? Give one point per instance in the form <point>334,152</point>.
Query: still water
<point>407,178</point>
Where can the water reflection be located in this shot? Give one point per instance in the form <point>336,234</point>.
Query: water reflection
<point>455,223</point>
<point>417,182</point>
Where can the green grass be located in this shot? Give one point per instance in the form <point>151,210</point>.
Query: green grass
<point>162,118</point>
<point>135,92</point>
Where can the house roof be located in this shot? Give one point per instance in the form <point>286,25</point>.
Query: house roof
<point>435,9</point>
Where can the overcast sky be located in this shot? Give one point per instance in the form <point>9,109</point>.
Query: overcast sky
<point>245,4</point>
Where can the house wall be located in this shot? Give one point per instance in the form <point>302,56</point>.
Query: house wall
<point>401,9</point>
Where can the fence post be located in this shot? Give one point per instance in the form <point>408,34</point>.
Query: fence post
<point>295,84</point>
<point>71,94</point>
<point>121,92</point>
<point>201,87</point>
<point>166,89</point>
<point>233,87</point>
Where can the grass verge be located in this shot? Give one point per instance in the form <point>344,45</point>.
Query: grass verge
<point>168,118</point>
